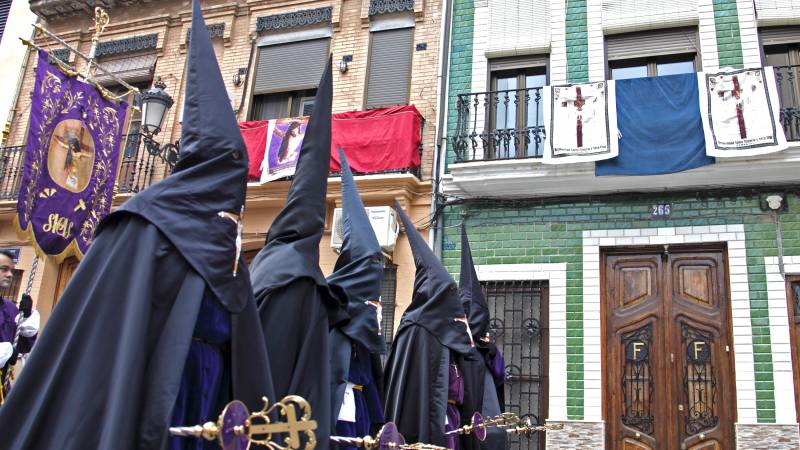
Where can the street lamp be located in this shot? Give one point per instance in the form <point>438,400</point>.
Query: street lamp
<point>155,104</point>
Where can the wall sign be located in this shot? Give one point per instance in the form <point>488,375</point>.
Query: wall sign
<point>661,210</point>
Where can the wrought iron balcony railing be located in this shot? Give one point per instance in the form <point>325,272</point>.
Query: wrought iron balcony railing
<point>510,125</point>
<point>11,164</point>
<point>499,125</point>
<point>788,84</point>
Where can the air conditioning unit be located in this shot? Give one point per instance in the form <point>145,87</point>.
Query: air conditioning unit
<point>384,223</point>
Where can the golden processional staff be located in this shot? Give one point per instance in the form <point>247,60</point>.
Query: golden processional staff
<point>508,421</point>
<point>237,429</point>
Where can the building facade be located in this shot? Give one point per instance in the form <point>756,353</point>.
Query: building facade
<point>271,56</point>
<point>641,312</point>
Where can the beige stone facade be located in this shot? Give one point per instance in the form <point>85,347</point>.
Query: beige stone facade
<point>170,20</point>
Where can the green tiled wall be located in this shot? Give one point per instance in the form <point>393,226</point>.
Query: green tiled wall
<point>537,232</point>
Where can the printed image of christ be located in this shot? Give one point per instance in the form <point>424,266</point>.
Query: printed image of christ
<point>739,108</point>
<point>71,155</point>
<point>579,119</point>
<point>284,144</point>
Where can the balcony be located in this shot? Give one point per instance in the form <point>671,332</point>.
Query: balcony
<point>11,164</point>
<point>499,140</point>
<point>499,125</point>
<point>503,125</point>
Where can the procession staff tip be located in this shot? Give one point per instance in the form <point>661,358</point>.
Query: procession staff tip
<point>238,428</point>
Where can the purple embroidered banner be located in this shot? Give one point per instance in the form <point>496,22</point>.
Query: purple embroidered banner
<point>70,162</point>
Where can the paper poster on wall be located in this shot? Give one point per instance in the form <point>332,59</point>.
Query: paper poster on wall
<point>740,111</point>
<point>580,123</point>
<point>284,142</point>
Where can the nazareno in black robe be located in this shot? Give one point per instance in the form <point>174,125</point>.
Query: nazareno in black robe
<point>108,364</point>
<point>416,372</point>
<point>357,277</point>
<point>477,398</point>
<point>295,305</point>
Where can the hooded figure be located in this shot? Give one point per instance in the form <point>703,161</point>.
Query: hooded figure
<point>161,303</point>
<point>295,305</point>
<point>483,373</point>
<point>421,379</point>
<point>357,375</point>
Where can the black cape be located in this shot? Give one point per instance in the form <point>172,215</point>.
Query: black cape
<point>357,277</point>
<point>107,368</point>
<point>478,395</point>
<point>295,305</point>
<point>416,372</point>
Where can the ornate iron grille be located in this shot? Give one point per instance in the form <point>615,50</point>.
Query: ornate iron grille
<point>699,381</point>
<point>487,127</point>
<point>787,84</point>
<point>388,292</point>
<point>11,163</point>
<point>518,326</point>
<point>637,380</point>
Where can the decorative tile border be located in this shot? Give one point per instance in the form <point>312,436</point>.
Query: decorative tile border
<point>734,236</point>
<point>556,275</point>
<point>785,412</point>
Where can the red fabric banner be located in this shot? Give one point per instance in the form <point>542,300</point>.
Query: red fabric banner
<point>377,140</point>
<point>254,134</point>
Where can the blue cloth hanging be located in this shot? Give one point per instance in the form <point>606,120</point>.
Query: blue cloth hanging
<point>659,122</point>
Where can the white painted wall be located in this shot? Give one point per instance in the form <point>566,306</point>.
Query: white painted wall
<point>12,53</point>
<point>624,16</point>
<point>778,12</point>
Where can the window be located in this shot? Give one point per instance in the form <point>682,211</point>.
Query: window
<point>782,51</point>
<point>650,54</point>
<point>515,114</point>
<point>286,77</point>
<point>389,70</point>
<point>518,326</point>
<point>388,293</point>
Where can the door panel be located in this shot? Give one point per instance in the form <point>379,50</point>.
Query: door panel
<point>667,350</point>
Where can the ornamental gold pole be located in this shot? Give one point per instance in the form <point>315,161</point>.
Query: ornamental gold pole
<point>101,20</point>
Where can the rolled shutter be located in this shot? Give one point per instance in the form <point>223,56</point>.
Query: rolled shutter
<point>388,82</point>
<point>673,41</point>
<point>5,8</point>
<point>292,66</point>
<point>779,35</point>
<point>131,69</point>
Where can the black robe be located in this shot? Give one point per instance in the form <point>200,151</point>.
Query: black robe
<point>107,367</point>
<point>416,385</point>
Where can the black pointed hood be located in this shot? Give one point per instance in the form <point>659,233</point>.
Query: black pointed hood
<point>292,247</point>
<point>358,272</point>
<point>470,292</point>
<point>197,205</point>
<point>435,304</point>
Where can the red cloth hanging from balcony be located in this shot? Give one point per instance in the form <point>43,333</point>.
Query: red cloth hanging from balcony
<point>377,140</point>
<point>254,134</point>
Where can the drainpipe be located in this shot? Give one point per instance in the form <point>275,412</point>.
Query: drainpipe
<point>439,145</point>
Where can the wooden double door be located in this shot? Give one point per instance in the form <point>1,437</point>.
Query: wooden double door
<point>668,364</point>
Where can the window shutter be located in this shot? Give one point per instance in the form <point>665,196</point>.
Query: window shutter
<point>5,8</point>
<point>673,41</point>
<point>288,67</point>
<point>131,69</point>
<point>779,35</point>
<point>389,76</point>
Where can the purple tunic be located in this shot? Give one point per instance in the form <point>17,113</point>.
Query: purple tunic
<point>455,396</point>
<point>369,410</point>
<point>8,316</point>
<point>204,391</point>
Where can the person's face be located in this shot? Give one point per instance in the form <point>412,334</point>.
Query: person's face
<point>6,271</point>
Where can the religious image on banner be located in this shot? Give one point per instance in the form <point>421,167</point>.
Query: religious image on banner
<point>284,140</point>
<point>70,166</point>
<point>740,111</point>
<point>580,122</point>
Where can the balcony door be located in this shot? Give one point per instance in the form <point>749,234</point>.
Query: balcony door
<point>516,121</point>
